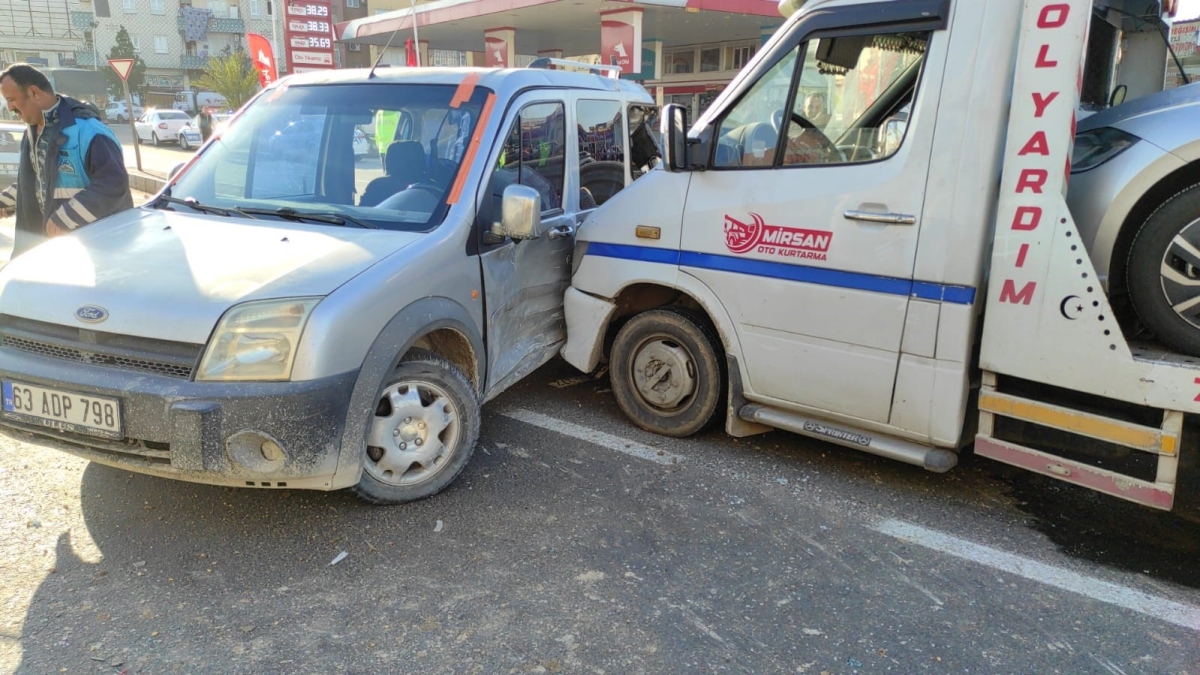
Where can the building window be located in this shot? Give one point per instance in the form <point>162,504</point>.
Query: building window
<point>352,3</point>
<point>156,6</point>
<point>160,44</point>
<point>255,8</point>
<point>740,56</point>
<point>137,44</point>
<point>710,60</point>
<point>680,63</point>
<point>130,6</point>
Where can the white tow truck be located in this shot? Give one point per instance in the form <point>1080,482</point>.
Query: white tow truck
<point>901,275</point>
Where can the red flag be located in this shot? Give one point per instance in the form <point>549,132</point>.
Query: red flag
<point>263,58</point>
<point>410,53</point>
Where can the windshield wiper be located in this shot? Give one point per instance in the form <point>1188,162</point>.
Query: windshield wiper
<point>314,216</point>
<point>192,203</point>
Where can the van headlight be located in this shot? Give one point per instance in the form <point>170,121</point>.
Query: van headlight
<point>256,341</point>
<point>1095,147</point>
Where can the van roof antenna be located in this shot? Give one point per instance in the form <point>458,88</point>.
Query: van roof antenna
<point>381,53</point>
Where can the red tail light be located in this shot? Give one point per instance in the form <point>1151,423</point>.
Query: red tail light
<point>162,125</point>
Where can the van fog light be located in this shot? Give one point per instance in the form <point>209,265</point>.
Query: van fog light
<point>256,451</point>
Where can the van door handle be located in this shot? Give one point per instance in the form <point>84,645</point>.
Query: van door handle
<point>885,218</point>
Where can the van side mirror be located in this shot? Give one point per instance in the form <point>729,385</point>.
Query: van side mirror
<point>520,213</point>
<point>674,136</point>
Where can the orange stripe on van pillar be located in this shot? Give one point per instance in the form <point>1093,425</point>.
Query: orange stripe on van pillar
<point>465,89</point>
<point>469,156</point>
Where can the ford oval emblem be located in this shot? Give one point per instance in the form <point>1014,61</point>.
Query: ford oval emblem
<point>91,314</point>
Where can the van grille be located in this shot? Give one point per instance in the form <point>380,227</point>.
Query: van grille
<point>170,359</point>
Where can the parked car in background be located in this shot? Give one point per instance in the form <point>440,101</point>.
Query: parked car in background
<point>361,147</point>
<point>158,126</point>
<point>117,111</point>
<point>10,151</point>
<point>190,136</point>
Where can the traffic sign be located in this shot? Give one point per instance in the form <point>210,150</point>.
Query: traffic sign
<point>122,66</point>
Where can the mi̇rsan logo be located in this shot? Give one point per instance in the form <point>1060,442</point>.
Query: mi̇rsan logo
<point>839,434</point>
<point>786,242</point>
<point>91,314</point>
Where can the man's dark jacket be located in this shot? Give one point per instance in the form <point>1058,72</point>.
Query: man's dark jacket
<point>85,177</point>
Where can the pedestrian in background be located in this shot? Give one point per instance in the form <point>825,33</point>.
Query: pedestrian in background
<point>72,170</point>
<point>205,124</point>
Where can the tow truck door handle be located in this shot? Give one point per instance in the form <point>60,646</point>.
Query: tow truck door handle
<point>883,218</point>
<point>561,232</point>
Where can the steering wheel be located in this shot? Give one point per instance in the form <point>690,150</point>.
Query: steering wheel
<point>428,186</point>
<point>826,145</point>
<point>777,119</point>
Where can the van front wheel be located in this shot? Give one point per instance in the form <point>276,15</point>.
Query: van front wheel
<point>667,373</point>
<point>425,427</point>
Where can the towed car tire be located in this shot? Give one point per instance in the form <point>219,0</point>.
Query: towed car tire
<point>423,434</point>
<point>1164,272</point>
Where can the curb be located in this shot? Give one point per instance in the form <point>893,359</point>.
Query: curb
<point>144,182</point>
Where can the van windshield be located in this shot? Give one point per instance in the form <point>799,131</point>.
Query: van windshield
<point>379,153</point>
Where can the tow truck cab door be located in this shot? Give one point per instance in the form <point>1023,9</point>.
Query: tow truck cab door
<point>806,221</point>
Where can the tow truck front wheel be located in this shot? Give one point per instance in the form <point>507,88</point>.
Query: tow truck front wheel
<point>423,434</point>
<point>1164,272</point>
<point>666,371</point>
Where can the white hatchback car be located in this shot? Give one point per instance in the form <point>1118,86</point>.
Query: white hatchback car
<point>158,126</point>
<point>10,151</point>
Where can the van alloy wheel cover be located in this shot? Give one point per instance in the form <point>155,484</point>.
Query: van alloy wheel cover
<point>417,437</point>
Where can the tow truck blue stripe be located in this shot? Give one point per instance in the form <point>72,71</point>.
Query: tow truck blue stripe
<point>925,290</point>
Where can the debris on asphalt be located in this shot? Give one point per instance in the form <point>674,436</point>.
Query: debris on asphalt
<point>340,557</point>
<point>438,527</point>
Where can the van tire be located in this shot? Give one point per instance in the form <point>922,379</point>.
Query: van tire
<point>1152,294</point>
<point>685,354</point>
<point>424,392</point>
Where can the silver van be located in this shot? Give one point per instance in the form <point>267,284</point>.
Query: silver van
<point>282,316</point>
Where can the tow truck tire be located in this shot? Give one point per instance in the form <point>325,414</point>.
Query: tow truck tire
<point>667,371</point>
<point>1164,276</point>
<point>424,431</point>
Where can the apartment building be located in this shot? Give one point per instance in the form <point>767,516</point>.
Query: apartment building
<point>44,32</point>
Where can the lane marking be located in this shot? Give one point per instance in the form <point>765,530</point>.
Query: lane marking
<point>593,436</point>
<point>1152,606</point>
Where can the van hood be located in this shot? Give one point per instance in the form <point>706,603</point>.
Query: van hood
<point>170,276</point>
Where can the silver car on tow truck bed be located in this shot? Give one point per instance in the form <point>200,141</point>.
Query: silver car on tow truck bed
<point>280,316</point>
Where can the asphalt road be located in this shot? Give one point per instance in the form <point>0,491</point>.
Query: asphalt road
<point>571,545</point>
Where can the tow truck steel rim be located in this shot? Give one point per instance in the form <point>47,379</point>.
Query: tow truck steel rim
<point>663,373</point>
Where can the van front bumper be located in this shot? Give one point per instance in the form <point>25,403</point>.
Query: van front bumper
<point>245,434</point>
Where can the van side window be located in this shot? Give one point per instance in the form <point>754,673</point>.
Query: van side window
<point>602,157</point>
<point>749,133</point>
<point>852,101</point>
<point>534,154</point>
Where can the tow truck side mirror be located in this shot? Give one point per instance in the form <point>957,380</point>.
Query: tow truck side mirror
<point>674,136</point>
<point>520,213</point>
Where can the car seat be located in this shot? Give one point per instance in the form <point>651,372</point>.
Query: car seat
<point>404,164</point>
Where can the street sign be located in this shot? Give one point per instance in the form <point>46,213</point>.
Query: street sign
<point>122,66</point>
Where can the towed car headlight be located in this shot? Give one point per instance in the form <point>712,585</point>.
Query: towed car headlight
<point>1097,146</point>
<point>256,341</point>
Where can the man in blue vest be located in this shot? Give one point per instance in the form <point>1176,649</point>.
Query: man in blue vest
<point>72,171</point>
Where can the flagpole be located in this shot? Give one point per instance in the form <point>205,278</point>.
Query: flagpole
<point>416,36</point>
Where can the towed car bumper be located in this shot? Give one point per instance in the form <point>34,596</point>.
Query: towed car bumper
<point>269,435</point>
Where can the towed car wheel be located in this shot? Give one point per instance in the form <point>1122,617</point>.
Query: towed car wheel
<point>1164,272</point>
<point>424,431</point>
